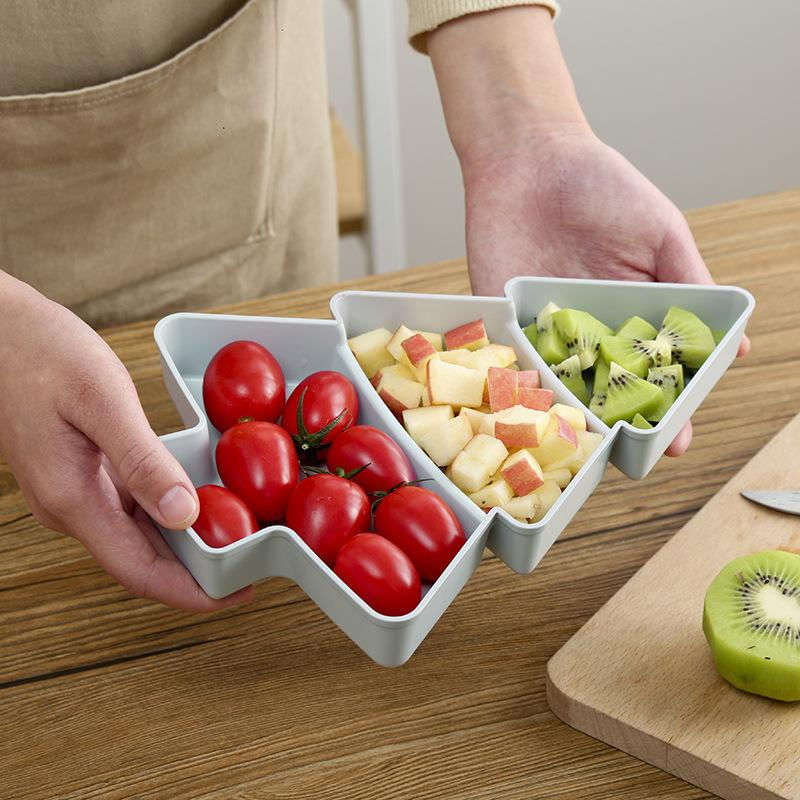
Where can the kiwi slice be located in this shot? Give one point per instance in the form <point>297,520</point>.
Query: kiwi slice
<point>569,373</point>
<point>717,334</point>
<point>636,328</point>
<point>581,333</point>
<point>598,403</point>
<point>636,355</point>
<point>751,619</point>
<point>640,422</point>
<point>670,381</point>
<point>600,376</point>
<point>549,344</point>
<point>690,338</point>
<point>532,332</point>
<point>628,395</point>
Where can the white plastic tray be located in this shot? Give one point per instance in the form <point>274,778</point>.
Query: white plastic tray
<point>187,342</point>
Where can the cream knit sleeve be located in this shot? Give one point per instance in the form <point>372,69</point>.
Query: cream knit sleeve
<point>426,15</point>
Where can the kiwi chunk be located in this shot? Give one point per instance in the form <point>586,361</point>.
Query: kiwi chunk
<point>636,355</point>
<point>532,332</point>
<point>690,338</point>
<point>628,395</point>
<point>636,328</point>
<point>670,381</point>
<point>581,333</point>
<point>751,620</point>
<point>717,334</point>
<point>600,376</point>
<point>549,344</point>
<point>640,422</point>
<point>569,373</point>
<point>598,403</point>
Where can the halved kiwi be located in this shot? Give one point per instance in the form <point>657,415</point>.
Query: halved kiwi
<point>628,395</point>
<point>751,619</point>
<point>690,338</point>
<point>569,373</point>
<point>581,333</point>
<point>548,343</point>
<point>636,355</point>
<point>636,328</point>
<point>670,381</point>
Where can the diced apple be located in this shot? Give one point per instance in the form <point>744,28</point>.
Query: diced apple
<point>589,441</point>
<point>395,345</point>
<point>523,508</point>
<point>520,427</point>
<point>493,355</point>
<point>461,357</point>
<point>539,399</point>
<point>522,473</point>
<point>469,336</point>
<point>497,493</point>
<point>444,442</point>
<point>468,472</point>
<point>559,443</point>
<point>420,420</point>
<point>571,462</point>
<point>574,416</point>
<point>450,384</point>
<point>417,351</point>
<point>487,424</point>
<point>434,338</point>
<point>547,494</point>
<point>502,386</point>
<point>487,449</point>
<point>529,378</point>
<point>400,370</point>
<point>474,416</point>
<point>370,350</point>
<point>561,476</point>
<point>399,393</point>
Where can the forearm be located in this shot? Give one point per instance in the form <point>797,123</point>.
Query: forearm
<point>501,75</point>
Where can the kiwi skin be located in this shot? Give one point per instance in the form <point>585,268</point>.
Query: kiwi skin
<point>754,651</point>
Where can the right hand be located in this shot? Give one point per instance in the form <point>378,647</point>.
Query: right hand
<point>86,459</point>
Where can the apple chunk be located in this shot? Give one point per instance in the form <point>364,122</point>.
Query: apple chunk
<point>395,344</point>
<point>399,393</point>
<point>522,472</point>
<point>573,415</point>
<point>523,508</point>
<point>469,336</point>
<point>502,385</point>
<point>529,378</point>
<point>436,339</point>
<point>561,476</point>
<point>493,355</point>
<point>520,427</point>
<point>418,421</point>
<point>418,351</point>
<point>450,384</point>
<point>539,399</point>
<point>474,416</point>
<point>400,370</point>
<point>370,350</point>
<point>461,357</point>
<point>497,493</point>
<point>444,442</point>
<point>558,444</point>
<point>468,472</point>
<point>546,494</point>
<point>487,449</point>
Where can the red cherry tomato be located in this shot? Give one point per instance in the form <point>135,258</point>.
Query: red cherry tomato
<point>423,526</point>
<point>257,462</point>
<point>326,511</point>
<point>380,573</point>
<point>363,444</point>
<point>243,380</point>
<point>223,517</point>
<point>325,396</point>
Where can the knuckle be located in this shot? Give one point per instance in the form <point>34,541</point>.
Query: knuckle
<point>139,466</point>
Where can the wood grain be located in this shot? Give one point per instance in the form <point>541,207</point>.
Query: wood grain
<point>106,696</point>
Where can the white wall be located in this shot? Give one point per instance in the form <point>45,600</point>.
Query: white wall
<point>702,95</point>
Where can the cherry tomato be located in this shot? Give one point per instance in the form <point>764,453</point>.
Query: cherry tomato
<point>325,396</point>
<point>326,511</point>
<point>423,526</point>
<point>380,573</point>
<point>243,380</point>
<point>223,517</point>
<point>257,461</point>
<point>363,444</point>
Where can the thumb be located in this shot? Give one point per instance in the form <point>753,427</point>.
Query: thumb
<point>113,419</point>
<point>679,260</point>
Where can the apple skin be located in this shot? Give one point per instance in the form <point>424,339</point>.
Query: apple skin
<point>565,430</point>
<point>469,336</point>
<point>501,384</point>
<point>522,473</point>
<point>516,434</point>
<point>538,399</point>
<point>417,348</point>
<point>528,378</point>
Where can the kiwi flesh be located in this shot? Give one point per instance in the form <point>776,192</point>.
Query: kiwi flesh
<point>598,403</point>
<point>690,338</point>
<point>751,620</point>
<point>628,395</point>
<point>600,376</point>
<point>636,355</point>
<point>718,335</point>
<point>532,332</point>
<point>581,333</point>
<point>569,373</point>
<point>548,343</point>
<point>640,422</point>
<point>670,380</point>
<point>636,328</point>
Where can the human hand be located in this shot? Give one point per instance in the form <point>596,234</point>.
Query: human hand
<point>89,465</point>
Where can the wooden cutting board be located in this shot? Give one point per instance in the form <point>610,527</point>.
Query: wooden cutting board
<point>639,674</point>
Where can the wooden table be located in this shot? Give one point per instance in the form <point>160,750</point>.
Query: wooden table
<point>106,696</point>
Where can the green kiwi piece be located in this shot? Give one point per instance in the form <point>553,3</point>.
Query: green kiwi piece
<point>598,403</point>
<point>751,620</point>
<point>640,422</point>
<point>636,355</point>
<point>636,328</point>
<point>548,343</point>
<point>600,376</point>
<point>532,332</point>
<point>569,373</point>
<point>628,395</point>
<point>670,380</point>
<point>690,338</point>
<point>581,333</point>
<point>717,334</point>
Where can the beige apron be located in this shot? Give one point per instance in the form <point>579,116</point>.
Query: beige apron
<point>202,179</point>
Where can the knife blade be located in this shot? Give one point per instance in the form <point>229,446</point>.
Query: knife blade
<point>787,502</point>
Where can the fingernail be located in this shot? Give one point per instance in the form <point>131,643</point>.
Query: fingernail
<point>177,506</point>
